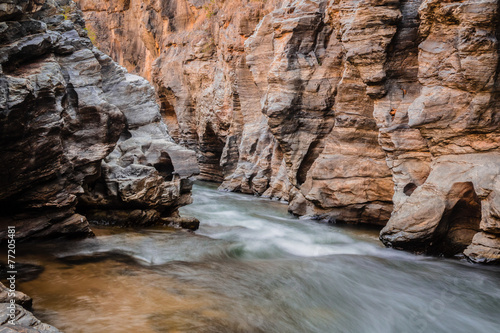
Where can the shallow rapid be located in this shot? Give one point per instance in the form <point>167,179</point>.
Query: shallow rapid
<point>251,267</point>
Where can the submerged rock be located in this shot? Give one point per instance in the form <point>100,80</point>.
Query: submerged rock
<point>189,223</point>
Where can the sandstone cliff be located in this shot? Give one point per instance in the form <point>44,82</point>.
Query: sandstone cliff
<point>263,92</point>
<point>353,110</point>
<point>64,105</point>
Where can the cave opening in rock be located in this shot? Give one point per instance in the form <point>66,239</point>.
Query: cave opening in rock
<point>312,154</point>
<point>165,167</point>
<point>409,188</point>
<point>461,220</point>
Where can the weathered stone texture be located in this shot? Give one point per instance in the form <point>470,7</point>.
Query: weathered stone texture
<point>351,110</point>
<point>62,111</point>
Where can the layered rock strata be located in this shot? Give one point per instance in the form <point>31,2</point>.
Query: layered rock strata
<point>59,119</point>
<point>263,91</point>
<point>147,175</point>
<point>352,110</point>
<point>444,141</point>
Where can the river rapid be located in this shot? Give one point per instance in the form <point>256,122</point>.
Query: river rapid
<point>251,267</point>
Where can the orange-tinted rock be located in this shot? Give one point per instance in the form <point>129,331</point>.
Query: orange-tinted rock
<point>355,111</point>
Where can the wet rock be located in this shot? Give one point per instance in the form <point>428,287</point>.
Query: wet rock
<point>189,223</point>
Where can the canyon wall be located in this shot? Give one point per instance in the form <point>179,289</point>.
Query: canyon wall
<point>74,124</point>
<point>371,111</point>
<point>264,93</point>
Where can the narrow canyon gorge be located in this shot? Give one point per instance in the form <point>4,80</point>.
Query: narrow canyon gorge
<point>376,111</point>
<point>379,113</point>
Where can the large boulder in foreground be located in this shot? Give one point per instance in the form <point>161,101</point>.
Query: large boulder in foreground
<point>146,177</point>
<point>63,108</point>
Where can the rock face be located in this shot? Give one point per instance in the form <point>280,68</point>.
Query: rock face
<point>263,92</point>
<point>23,319</point>
<point>444,141</point>
<point>60,117</point>
<point>147,175</point>
<point>352,110</point>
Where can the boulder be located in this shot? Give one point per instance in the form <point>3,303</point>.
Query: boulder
<point>71,118</point>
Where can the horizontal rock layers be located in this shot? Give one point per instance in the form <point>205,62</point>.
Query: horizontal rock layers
<point>64,105</point>
<point>444,141</point>
<point>263,92</point>
<point>352,110</point>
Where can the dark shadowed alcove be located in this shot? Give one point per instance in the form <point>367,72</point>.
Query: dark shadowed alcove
<point>409,188</point>
<point>460,222</point>
<point>165,167</point>
<point>211,148</point>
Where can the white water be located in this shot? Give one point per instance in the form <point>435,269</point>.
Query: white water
<point>254,268</point>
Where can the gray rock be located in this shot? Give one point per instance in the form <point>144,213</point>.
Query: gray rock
<point>20,298</point>
<point>24,321</point>
<point>70,118</point>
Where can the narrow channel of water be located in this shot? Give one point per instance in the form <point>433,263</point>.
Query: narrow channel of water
<point>253,268</point>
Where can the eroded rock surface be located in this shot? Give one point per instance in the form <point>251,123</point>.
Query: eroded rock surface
<point>352,110</point>
<point>59,119</point>
<point>15,317</point>
<point>147,175</point>
<point>444,141</point>
<point>263,92</point>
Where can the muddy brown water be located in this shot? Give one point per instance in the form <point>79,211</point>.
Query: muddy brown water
<point>253,268</point>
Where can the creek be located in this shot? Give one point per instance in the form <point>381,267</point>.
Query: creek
<point>251,267</point>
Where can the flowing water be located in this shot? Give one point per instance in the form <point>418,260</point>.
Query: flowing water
<point>253,268</point>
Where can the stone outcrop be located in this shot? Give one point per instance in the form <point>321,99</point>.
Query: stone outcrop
<point>147,174</point>
<point>63,107</point>
<point>352,110</point>
<point>18,314</point>
<point>444,141</point>
<point>20,298</point>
